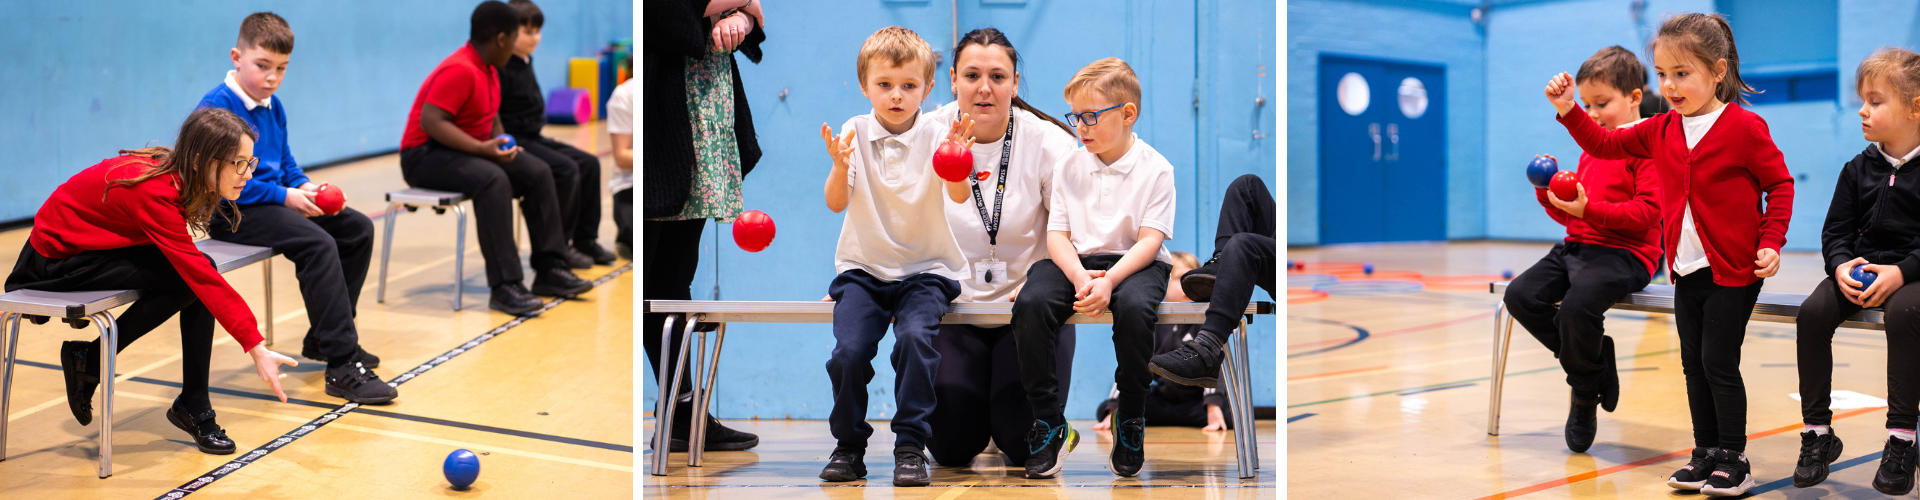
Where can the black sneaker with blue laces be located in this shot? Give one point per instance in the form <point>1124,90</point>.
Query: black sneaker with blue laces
<point>1047,447</point>
<point>1129,443</point>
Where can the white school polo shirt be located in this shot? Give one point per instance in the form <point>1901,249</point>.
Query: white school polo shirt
<point>895,223</point>
<point>1038,146</point>
<point>1104,206</point>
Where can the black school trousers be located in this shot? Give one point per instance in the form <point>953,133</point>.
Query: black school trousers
<point>1047,301</point>
<point>1820,314</point>
<point>493,186</point>
<point>162,294</point>
<point>1245,247</point>
<point>576,179</point>
<point>1563,300</point>
<point>863,307</point>
<point>979,392</point>
<point>1712,321</point>
<point>670,254</point>
<point>330,255</point>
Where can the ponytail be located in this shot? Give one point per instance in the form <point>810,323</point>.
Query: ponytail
<point>1707,37</point>
<point>1022,104</point>
<point>1732,87</point>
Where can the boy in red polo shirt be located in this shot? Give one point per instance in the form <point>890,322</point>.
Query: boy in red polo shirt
<point>452,143</point>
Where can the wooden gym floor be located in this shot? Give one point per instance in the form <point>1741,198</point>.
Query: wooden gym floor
<point>1387,394</point>
<point>547,403</point>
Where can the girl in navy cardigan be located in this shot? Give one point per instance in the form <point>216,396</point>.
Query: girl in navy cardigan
<point>1716,160</point>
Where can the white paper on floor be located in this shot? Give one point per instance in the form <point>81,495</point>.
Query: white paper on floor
<point>1849,400</point>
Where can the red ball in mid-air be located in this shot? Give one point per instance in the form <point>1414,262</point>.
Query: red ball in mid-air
<point>753,231</point>
<point>1565,186</point>
<point>953,161</point>
<point>329,198</point>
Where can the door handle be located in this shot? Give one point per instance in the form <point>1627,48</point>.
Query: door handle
<point>1373,130</point>
<point>1393,134</point>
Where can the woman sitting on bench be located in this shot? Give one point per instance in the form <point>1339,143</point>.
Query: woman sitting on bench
<point>124,224</point>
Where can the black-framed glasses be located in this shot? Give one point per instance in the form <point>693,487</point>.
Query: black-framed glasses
<point>1091,117</point>
<point>245,167</point>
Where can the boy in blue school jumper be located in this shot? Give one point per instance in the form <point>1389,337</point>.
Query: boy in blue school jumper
<point>330,252</point>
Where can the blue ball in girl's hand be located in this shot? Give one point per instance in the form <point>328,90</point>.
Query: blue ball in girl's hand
<point>1862,275</point>
<point>1540,171</point>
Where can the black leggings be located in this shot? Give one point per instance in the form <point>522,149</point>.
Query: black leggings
<point>979,392</point>
<point>671,253</point>
<point>1820,314</point>
<point>1712,321</point>
<point>162,294</point>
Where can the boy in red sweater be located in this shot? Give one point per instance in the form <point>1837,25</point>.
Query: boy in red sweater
<point>1611,249</point>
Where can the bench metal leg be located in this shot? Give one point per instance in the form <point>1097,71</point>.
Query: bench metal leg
<point>1246,400</point>
<point>459,255</point>
<point>1502,342</point>
<point>669,394</point>
<point>11,322</point>
<point>386,249</point>
<point>267,269</point>
<point>1235,385</point>
<point>703,397</point>
<point>109,343</point>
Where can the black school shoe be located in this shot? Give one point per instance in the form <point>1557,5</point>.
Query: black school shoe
<point>1732,476</point>
<point>1581,423</point>
<point>364,357</point>
<point>559,282</point>
<point>845,465</point>
<point>1129,442</point>
<point>576,260</point>
<point>1896,468</point>
<point>719,438</point>
<point>356,383</point>
<point>208,435</point>
<point>1817,451</point>
<point>1694,475</point>
<point>512,298</point>
<point>1609,375</point>
<point>1047,447</point>
<point>76,363</point>
<point>910,466</point>
<point>1198,283</point>
<point>1196,362</point>
<point>594,251</point>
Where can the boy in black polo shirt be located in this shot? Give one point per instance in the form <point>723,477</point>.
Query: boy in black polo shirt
<point>452,143</point>
<point>576,173</point>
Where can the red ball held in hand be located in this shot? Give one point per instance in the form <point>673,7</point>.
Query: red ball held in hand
<point>753,231</point>
<point>952,161</point>
<point>329,198</point>
<point>1565,186</point>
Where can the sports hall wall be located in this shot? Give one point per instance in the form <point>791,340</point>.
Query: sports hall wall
<point>90,78</point>
<point>1496,71</point>
<point>1203,68</point>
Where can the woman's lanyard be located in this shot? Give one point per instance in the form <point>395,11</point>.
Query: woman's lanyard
<point>999,194</point>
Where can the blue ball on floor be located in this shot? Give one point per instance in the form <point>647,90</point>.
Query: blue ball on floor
<point>509,144</point>
<point>462,468</point>
<point>1506,274</point>
<point>1862,275</point>
<point>1367,268</point>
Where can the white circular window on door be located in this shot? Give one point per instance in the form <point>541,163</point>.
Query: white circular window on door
<point>1413,98</point>
<point>1353,94</point>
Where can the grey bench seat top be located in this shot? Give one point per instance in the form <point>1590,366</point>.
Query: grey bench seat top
<point>76,305</point>
<point>1772,307</point>
<point>965,313</point>
<point>425,197</point>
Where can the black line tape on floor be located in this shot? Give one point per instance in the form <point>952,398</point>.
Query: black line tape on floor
<point>294,435</point>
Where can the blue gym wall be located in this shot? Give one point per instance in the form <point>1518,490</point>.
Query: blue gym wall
<point>1204,69</point>
<point>89,78</point>
<point>1523,43</point>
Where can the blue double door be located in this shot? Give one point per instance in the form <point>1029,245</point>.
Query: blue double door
<point>1382,151</point>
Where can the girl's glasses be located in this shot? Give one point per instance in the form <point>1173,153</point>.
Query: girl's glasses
<point>245,167</point>
<point>1091,117</point>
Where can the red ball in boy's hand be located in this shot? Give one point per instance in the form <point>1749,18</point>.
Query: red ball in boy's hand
<point>753,231</point>
<point>1565,186</point>
<point>329,199</point>
<point>953,161</point>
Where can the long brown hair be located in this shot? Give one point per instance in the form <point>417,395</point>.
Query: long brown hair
<point>989,36</point>
<point>1708,38</point>
<point>206,140</point>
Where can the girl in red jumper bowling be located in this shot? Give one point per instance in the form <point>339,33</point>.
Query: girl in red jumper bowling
<point>1612,249</point>
<point>124,224</point>
<point>1715,161</point>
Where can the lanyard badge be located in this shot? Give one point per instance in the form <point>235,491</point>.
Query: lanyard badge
<point>991,270</point>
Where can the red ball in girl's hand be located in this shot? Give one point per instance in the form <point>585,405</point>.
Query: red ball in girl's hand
<point>329,198</point>
<point>952,161</point>
<point>1565,186</point>
<point>753,231</point>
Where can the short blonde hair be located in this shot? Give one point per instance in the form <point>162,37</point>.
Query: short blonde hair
<point>1112,77</point>
<point>1186,259</point>
<point>1901,68</point>
<point>898,46</point>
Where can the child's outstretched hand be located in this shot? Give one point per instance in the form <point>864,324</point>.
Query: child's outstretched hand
<point>1216,419</point>
<point>1105,423</point>
<point>1883,286</point>
<point>840,149</point>
<point>962,130</point>
<point>1767,264</point>
<point>1560,92</point>
<point>266,363</point>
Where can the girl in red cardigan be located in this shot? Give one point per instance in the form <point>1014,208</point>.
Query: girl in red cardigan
<point>1715,161</point>
<point>124,224</point>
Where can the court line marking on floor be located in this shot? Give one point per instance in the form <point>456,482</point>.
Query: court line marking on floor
<point>1786,481</point>
<point>1477,379</point>
<point>1361,334</point>
<point>1391,333</point>
<point>1294,418</point>
<point>323,420</point>
<point>959,489</point>
<point>1652,460</point>
<point>414,437</point>
<point>890,485</point>
<point>1336,372</point>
